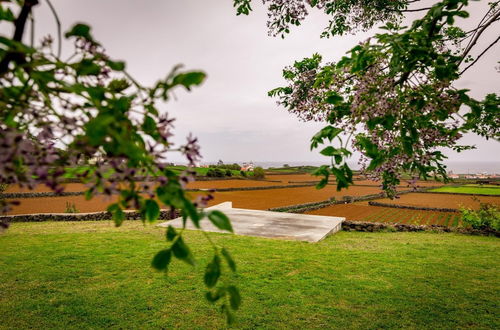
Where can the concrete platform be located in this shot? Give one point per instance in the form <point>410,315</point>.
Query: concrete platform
<point>288,226</point>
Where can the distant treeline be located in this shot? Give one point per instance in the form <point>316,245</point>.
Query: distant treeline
<point>234,166</point>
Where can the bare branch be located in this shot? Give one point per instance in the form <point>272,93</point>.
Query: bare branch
<point>482,53</point>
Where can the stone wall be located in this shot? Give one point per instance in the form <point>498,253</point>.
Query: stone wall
<point>409,207</point>
<point>94,216</point>
<point>365,226</point>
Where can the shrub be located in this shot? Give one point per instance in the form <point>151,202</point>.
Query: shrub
<point>243,173</point>
<point>219,173</point>
<point>71,208</point>
<point>487,217</point>
<point>258,173</point>
<point>211,173</point>
<point>229,173</point>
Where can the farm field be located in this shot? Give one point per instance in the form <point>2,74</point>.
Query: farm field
<point>470,189</point>
<point>360,212</point>
<point>218,184</point>
<point>440,200</point>
<point>68,187</point>
<point>293,178</point>
<point>91,275</point>
<point>286,178</point>
<point>265,199</point>
<point>254,199</point>
<point>210,184</point>
<point>403,183</point>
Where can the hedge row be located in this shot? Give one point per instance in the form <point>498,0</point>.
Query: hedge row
<point>94,216</point>
<point>365,226</point>
<point>419,208</point>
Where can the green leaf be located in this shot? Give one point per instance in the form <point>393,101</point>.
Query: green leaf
<point>334,98</point>
<point>234,297</point>
<point>191,211</point>
<point>117,213</point>
<point>79,30</point>
<point>171,233</point>
<point>182,252</point>
<point>87,67</point>
<point>212,272</point>
<point>162,259</point>
<point>150,210</point>
<point>329,151</point>
<point>149,125</point>
<point>118,85</point>
<point>6,15</point>
<point>220,220</point>
<point>116,65</point>
<point>189,79</point>
<point>229,259</point>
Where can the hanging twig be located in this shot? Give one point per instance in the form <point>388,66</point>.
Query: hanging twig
<point>58,23</point>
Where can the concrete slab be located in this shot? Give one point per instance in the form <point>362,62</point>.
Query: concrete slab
<point>289,226</point>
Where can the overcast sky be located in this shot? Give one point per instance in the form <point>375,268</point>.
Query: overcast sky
<point>230,113</point>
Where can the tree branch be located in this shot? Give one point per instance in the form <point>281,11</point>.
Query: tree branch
<point>482,53</point>
<point>20,25</point>
<point>478,34</point>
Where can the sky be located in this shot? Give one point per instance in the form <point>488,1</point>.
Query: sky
<point>230,113</point>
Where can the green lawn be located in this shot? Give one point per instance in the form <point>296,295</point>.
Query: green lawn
<point>469,190</point>
<point>92,275</point>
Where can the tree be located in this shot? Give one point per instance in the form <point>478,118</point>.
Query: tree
<point>259,173</point>
<point>392,97</point>
<point>96,110</point>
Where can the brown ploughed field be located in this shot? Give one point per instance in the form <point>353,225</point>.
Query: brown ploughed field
<point>359,212</point>
<point>58,204</point>
<point>68,187</point>
<point>286,178</point>
<point>440,200</point>
<point>219,184</point>
<point>253,199</point>
<point>265,199</point>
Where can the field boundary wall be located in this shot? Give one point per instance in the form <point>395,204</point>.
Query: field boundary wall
<point>409,207</point>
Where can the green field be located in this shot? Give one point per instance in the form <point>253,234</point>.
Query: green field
<point>470,189</point>
<point>92,275</point>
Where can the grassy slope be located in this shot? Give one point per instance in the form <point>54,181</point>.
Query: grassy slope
<point>91,275</point>
<point>470,190</point>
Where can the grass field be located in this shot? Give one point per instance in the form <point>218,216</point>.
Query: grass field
<point>470,189</point>
<point>92,275</point>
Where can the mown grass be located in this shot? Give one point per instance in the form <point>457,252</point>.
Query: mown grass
<point>92,275</point>
<point>469,190</point>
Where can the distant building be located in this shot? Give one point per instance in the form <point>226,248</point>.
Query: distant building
<point>247,167</point>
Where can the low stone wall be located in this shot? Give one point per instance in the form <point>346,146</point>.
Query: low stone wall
<point>409,207</point>
<point>365,226</point>
<point>39,194</point>
<point>94,216</point>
